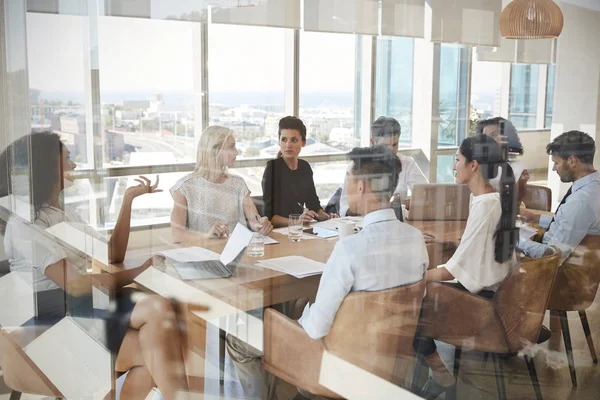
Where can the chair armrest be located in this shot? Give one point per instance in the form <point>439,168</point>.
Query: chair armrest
<point>290,354</point>
<point>453,315</point>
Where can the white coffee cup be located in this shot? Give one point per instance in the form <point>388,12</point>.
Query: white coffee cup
<point>346,228</point>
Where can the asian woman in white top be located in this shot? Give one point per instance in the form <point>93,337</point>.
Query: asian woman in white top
<point>210,201</point>
<point>485,255</point>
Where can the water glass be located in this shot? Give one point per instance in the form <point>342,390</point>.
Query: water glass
<point>295,227</point>
<point>256,247</point>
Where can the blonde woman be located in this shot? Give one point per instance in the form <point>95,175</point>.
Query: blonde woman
<point>209,202</point>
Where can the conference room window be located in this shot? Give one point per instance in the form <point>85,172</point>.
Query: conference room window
<point>246,85</point>
<point>445,168</point>
<point>327,92</point>
<point>453,102</point>
<point>486,91</point>
<point>524,95</point>
<point>549,96</point>
<point>394,83</point>
<point>147,73</point>
<point>57,90</point>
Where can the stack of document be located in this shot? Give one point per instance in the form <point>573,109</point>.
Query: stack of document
<point>297,266</point>
<point>190,254</point>
<point>332,224</point>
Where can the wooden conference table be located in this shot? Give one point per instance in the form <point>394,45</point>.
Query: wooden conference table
<point>251,287</point>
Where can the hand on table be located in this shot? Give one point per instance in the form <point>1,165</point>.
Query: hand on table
<point>333,215</point>
<point>309,216</point>
<point>262,226</point>
<point>218,231</point>
<point>528,216</point>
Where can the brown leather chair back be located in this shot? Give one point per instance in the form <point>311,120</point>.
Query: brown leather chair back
<point>372,328</point>
<point>20,372</point>
<point>578,278</point>
<point>538,198</point>
<point>522,298</point>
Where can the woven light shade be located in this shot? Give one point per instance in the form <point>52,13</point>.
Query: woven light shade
<point>531,19</point>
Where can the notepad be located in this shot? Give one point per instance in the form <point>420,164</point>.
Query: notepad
<point>297,266</point>
<point>190,254</point>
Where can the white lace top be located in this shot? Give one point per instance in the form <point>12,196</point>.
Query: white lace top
<point>209,203</point>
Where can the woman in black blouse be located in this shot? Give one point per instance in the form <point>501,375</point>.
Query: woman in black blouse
<point>288,183</point>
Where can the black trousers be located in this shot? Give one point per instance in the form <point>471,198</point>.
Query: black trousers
<point>425,345</point>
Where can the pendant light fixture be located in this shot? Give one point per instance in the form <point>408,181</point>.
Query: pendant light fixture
<point>531,19</point>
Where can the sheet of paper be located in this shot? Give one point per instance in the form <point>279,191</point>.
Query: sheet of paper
<point>239,239</point>
<point>270,240</point>
<point>526,231</point>
<point>284,231</point>
<point>188,254</point>
<point>297,266</point>
<point>332,223</point>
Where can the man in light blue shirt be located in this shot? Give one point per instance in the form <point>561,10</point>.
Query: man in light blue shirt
<point>385,254</point>
<point>578,214</point>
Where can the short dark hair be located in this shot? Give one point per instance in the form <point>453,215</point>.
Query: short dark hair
<point>290,122</point>
<point>377,162</point>
<point>507,129</point>
<point>573,144</point>
<point>384,127</point>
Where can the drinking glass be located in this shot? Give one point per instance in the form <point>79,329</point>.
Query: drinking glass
<point>256,247</point>
<point>295,227</point>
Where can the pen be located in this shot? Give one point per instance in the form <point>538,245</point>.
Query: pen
<point>304,209</point>
<point>258,220</point>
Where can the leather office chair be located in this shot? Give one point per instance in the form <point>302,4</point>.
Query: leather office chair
<point>372,330</point>
<point>538,198</point>
<point>575,290</point>
<point>504,324</point>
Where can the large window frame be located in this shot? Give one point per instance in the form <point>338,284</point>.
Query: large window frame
<point>367,67</point>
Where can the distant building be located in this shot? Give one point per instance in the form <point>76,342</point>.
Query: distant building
<point>137,104</point>
<point>128,114</point>
<point>341,135</point>
<point>114,145</point>
<point>77,145</point>
<point>72,123</point>
<point>39,110</point>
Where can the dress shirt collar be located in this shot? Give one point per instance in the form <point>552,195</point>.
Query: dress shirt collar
<point>581,182</point>
<point>385,214</point>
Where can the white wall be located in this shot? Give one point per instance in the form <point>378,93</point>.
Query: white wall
<point>535,142</point>
<point>577,86</point>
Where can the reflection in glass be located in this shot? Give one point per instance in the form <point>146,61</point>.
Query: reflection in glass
<point>327,83</point>
<point>549,96</point>
<point>246,85</point>
<point>445,168</point>
<point>394,82</point>
<point>523,95</point>
<point>453,100</point>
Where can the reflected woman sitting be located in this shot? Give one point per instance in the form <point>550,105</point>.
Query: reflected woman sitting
<point>141,333</point>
